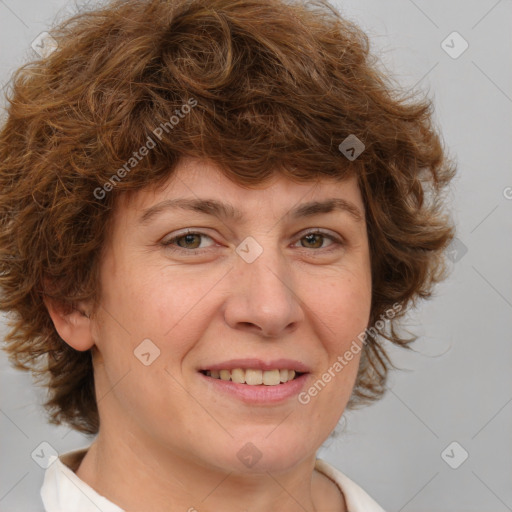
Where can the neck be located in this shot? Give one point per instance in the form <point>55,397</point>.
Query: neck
<point>136,476</point>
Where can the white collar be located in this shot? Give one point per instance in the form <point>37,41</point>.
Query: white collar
<point>63,491</point>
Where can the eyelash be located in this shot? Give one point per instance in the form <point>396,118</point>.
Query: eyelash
<point>168,243</point>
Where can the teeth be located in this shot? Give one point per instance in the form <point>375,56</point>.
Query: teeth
<point>254,377</point>
<point>238,375</point>
<point>271,378</point>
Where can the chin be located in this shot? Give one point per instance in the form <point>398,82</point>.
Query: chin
<point>270,450</point>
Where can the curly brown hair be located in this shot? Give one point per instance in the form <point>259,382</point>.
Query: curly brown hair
<point>275,87</point>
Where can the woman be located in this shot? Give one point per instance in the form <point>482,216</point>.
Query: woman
<point>213,214</point>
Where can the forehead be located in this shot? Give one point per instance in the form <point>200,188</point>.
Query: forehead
<point>200,185</point>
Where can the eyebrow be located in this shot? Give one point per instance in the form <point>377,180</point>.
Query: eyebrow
<point>227,211</point>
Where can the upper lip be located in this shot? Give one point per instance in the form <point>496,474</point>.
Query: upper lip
<point>259,364</point>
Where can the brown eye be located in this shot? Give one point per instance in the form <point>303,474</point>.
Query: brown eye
<point>315,239</point>
<point>186,242</point>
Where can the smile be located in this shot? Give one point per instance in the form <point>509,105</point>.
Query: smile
<point>254,377</point>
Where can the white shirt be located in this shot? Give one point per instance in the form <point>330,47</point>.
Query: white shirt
<point>63,491</point>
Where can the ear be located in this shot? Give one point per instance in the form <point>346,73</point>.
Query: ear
<point>72,323</point>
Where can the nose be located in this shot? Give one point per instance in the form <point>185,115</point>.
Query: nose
<point>263,299</point>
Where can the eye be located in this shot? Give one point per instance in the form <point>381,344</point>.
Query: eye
<point>187,241</point>
<point>315,239</point>
<point>190,241</point>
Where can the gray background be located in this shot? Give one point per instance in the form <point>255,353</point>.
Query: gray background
<point>457,385</point>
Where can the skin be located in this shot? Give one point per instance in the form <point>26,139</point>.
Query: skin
<point>167,442</point>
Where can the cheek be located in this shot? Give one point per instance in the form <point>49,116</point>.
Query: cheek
<point>345,307</point>
<point>342,315</point>
<point>170,307</point>
<point>138,376</point>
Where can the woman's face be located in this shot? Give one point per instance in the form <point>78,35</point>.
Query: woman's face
<point>256,291</point>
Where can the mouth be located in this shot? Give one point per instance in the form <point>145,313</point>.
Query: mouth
<point>254,376</point>
<point>255,381</point>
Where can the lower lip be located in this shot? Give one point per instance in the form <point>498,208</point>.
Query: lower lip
<point>260,394</point>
